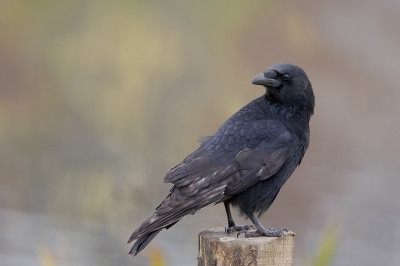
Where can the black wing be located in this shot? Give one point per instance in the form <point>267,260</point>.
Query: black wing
<point>220,168</point>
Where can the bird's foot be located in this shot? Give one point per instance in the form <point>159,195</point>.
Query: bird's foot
<point>238,228</point>
<point>269,233</point>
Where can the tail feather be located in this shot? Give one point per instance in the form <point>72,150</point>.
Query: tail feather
<point>143,241</point>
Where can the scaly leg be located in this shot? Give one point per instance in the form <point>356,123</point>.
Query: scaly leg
<point>232,227</point>
<point>261,231</point>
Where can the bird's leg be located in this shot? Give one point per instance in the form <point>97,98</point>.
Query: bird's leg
<point>231,223</point>
<point>261,231</point>
<point>232,227</point>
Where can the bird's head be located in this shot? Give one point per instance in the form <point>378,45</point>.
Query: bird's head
<point>287,86</point>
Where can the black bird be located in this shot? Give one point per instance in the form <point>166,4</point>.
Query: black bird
<point>246,162</point>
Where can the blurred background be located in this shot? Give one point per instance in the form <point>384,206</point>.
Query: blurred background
<point>98,99</point>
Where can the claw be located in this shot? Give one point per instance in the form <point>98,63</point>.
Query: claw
<point>269,233</point>
<point>239,228</point>
<point>249,226</point>
<point>253,234</point>
<point>277,233</point>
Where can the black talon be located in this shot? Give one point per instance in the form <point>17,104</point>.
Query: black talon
<point>238,228</point>
<point>232,227</point>
<point>249,226</point>
<point>245,229</point>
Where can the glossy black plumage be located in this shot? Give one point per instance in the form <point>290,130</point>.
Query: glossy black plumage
<point>248,159</point>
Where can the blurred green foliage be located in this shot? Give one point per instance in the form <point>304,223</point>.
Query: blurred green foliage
<point>328,246</point>
<point>85,89</point>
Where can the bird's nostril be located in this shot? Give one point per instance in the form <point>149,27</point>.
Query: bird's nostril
<point>270,74</point>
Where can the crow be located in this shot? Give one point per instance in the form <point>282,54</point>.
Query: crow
<point>246,162</point>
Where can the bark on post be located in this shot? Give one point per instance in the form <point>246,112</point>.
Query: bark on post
<point>218,249</point>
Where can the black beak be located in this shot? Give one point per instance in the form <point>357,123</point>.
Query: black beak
<point>260,79</point>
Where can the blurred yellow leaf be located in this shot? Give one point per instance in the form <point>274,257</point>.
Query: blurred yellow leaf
<point>45,256</point>
<point>156,257</point>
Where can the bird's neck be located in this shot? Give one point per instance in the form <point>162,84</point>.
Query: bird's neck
<point>289,110</point>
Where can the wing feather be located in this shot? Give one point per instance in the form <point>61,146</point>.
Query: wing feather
<point>224,165</point>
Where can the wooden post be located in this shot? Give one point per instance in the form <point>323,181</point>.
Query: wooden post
<point>218,249</point>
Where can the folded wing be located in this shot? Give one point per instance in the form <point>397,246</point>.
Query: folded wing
<point>225,164</point>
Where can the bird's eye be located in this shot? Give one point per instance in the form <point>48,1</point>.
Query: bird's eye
<point>286,77</point>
